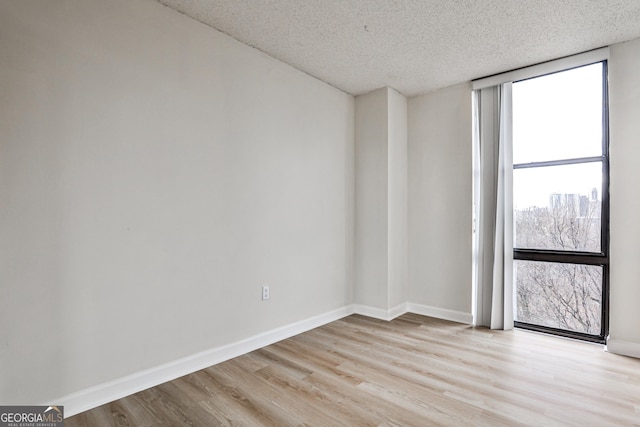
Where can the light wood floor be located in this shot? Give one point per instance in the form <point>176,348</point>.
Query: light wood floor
<point>412,371</point>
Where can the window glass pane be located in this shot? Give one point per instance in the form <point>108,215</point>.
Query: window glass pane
<point>558,207</point>
<point>562,296</point>
<point>558,116</point>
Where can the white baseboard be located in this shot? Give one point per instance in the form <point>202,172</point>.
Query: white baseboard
<point>379,313</point>
<point>107,392</point>
<point>408,307</point>
<point>398,310</point>
<point>440,313</point>
<point>623,348</point>
<point>100,394</point>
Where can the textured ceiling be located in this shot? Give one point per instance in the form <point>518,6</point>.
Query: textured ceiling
<point>416,46</point>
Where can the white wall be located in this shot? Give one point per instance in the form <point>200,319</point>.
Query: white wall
<point>624,113</point>
<point>381,287</point>
<point>440,190</point>
<point>153,174</point>
<point>398,205</point>
<point>371,191</point>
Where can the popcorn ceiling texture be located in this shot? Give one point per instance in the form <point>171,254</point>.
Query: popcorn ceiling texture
<point>416,46</point>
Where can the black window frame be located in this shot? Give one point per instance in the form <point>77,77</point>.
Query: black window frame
<point>574,257</point>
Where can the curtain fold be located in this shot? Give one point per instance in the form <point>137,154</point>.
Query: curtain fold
<point>493,207</point>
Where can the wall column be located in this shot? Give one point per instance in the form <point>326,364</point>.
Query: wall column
<point>381,288</point>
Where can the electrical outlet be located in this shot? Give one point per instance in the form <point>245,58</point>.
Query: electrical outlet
<point>265,293</point>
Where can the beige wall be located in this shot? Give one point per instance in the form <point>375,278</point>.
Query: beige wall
<point>154,173</point>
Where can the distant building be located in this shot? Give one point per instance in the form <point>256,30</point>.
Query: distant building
<point>585,205</point>
<point>576,205</point>
<point>569,202</point>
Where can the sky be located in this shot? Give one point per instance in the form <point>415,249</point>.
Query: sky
<point>558,116</point>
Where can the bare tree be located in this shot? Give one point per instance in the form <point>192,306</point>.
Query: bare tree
<point>560,295</point>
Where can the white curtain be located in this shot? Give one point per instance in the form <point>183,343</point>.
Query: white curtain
<point>493,207</point>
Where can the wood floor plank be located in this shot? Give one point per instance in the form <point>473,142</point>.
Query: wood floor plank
<point>412,371</point>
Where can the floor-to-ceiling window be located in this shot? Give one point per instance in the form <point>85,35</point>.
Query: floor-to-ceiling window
<point>560,202</point>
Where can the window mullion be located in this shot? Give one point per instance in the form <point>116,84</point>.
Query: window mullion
<point>573,161</point>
